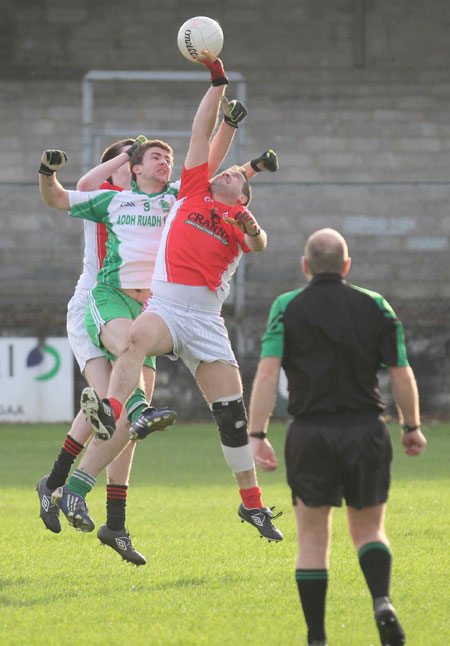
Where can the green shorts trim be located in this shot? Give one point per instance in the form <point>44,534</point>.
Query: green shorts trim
<point>106,303</point>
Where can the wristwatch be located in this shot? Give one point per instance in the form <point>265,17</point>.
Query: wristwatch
<point>409,429</point>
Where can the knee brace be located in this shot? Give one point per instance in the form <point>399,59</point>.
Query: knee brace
<point>231,419</point>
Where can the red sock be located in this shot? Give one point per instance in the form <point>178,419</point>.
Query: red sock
<point>116,406</point>
<point>251,498</point>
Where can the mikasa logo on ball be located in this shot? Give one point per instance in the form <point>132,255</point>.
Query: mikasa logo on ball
<point>188,42</point>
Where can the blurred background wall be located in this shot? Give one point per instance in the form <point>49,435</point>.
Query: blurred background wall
<point>352,94</point>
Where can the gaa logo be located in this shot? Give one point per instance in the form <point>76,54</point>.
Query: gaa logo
<point>37,356</point>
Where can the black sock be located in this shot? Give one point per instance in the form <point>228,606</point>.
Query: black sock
<point>312,588</point>
<point>67,456</point>
<point>375,560</point>
<point>116,501</point>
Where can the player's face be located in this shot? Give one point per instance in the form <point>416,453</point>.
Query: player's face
<point>228,184</point>
<point>156,165</point>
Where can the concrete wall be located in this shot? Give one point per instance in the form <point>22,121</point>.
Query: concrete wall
<point>352,94</point>
<point>64,39</point>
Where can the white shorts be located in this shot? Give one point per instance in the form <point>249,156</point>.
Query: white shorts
<point>198,331</point>
<point>82,347</point>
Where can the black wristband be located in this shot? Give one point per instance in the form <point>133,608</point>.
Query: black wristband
<point>409,429</point>
<point>254,165</point>
<point>45,170</point>
<point>230,122</point>
<point>260,436</point>
<point>220,81</point>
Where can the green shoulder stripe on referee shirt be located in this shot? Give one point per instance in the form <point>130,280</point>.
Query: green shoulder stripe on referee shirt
<point>95,209</point>
<point>389,312</point>
<point>273,339</point>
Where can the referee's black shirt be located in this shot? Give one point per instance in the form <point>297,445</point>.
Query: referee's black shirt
<point>335,337</point>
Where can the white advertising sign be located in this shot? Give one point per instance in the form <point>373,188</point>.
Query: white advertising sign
<point>36,380</point>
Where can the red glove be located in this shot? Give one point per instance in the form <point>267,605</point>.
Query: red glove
<point>246,222</point>
<point>216,69</point>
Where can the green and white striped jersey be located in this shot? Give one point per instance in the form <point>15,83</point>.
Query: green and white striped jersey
<point>134,221</point>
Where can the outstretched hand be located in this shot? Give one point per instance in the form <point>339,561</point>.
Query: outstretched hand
<point>51,161</point>
<point>263,454</point>
<point>266,161</point>
<point>246,222</point>
<point>233,112</point>
<point>215,67</point>
<point>140,139</point>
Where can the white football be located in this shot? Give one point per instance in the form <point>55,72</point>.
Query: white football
<point>197,34</point>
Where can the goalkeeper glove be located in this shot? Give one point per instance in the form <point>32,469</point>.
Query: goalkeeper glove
<point>233,112</point>
<point>216,69</point>
<point>51,161</point>
<point>140,139</point>
<point>246,222</point>
<point>266,161</point>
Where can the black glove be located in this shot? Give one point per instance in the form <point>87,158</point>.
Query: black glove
<point>51,161</point>
<point>140,139</point>
<point>233,112</point>
<point>267,161</point>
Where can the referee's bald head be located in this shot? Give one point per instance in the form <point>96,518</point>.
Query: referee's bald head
<point>326,252</point>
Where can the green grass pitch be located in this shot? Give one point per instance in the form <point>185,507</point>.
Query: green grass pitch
<point>209,579</point>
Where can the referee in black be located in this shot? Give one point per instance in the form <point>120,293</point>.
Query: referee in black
<point>332,338</point>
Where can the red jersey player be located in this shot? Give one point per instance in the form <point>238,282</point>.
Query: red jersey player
<point>205,235</point>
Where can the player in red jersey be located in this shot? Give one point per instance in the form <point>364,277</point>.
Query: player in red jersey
<point>206,233</point>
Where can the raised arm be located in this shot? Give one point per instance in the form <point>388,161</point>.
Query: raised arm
<point>100,173</point>
<point>407,399</point>
<point>52,192</point>
<point>206,115</point>
<point>266,161</point>
<point>219,147</point>
<point>234,112</point>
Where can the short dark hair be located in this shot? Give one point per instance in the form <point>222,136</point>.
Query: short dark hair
<point>113,150</point>
<point>247,191</point>
<point>138,155</point>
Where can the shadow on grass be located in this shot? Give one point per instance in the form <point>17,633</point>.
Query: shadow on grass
<point>192,454</point>
<point>15,583</point>
<point>175,584</point>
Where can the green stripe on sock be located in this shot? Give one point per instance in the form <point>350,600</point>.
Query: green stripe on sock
<point>136,404</point>
<point>377,545</point>
<point>311,575</point>
<point>81,482</point>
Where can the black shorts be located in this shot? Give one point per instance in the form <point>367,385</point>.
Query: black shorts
<point>330,459</point>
